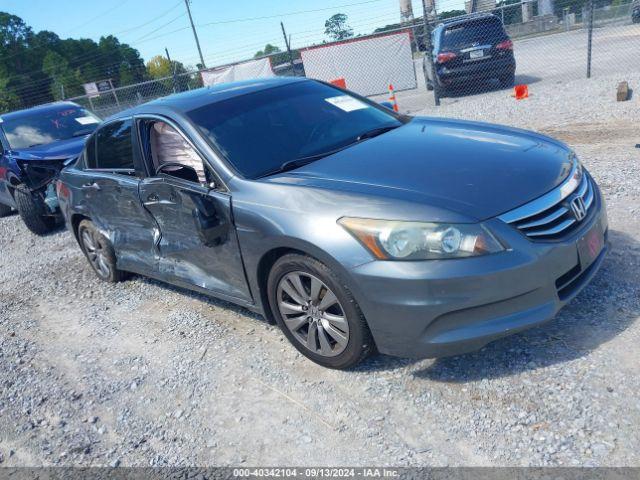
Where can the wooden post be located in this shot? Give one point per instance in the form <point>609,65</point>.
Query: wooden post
<point>623,91</point>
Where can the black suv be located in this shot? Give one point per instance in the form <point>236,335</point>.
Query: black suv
<point>469,49</point>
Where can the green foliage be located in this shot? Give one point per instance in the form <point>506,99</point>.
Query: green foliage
<point>38,67</point>
<point>278,57</point>
<point>268,50</point>
<point>8,100</point>
<point>451,14</point>
<point>337,27</point>
<point>163,70</point>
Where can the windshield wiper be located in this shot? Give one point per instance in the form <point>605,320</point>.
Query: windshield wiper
<point>375,132</point>
<point>81,133</point>
<point>301,162</point>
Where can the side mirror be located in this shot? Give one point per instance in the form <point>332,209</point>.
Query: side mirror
<point>174,169</point>
<point>388,105</point>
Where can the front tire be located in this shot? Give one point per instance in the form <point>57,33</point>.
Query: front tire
<point>317,312</point>
<point>4,210</point>
<point>33,211</point>
<point>99,252</point>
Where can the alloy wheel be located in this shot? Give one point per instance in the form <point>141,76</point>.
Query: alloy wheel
<point>96,253</point>
<point>313,314</point>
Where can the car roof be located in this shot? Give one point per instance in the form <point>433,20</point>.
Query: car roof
<point>471,17</point>
<point>187,101</point>
<point>27,112</point>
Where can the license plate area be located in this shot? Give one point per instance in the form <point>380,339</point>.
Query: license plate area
<point>473,54</point>
<point>590,246</point>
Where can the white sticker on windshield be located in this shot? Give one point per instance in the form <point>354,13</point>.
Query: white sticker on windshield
<point>346,103</point>
<point>86,120</point>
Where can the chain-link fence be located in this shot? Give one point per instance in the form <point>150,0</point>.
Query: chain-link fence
<point>524,43</point>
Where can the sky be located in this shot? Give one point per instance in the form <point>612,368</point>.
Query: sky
<point>229,30</point>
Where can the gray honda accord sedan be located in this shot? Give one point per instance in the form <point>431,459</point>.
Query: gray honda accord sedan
<point>354,228</point>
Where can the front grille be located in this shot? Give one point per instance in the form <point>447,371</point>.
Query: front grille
<point>550,217</point>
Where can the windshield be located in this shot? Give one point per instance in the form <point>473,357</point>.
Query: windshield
<point>259,132</point>
<point>42,127</point>
<point>483,31</point>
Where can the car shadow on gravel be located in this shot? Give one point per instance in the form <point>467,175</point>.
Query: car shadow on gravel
<point>605,308</point>
<point>211,301</point>
<point>488,87</point>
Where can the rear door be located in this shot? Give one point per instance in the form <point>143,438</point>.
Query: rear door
<point>109,186</point>
<point>198,244</point>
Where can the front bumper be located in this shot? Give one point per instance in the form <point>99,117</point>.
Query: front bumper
<point>448,307</point>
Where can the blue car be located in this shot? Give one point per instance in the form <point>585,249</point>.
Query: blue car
<point>35,144</point>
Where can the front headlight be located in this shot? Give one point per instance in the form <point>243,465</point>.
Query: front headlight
<point>395,240</point>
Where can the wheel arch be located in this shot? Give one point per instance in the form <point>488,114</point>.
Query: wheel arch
<point>74,222</point>
<point>286,246</point>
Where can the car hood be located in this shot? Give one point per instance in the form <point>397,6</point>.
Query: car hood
<point>59,150</point>
<point>474,169</point>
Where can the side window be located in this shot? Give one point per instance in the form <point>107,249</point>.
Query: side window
<point>172,155</point>
<point>113,149</point>
<point>90,157</point>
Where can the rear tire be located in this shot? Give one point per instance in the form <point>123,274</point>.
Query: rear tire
<point>5,210</point>
<point>324,323</point>
<point>33,211</point>
<point>99,252</point>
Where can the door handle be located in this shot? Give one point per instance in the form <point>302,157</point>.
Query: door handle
<point>153,198</point>
<point>91,185</point>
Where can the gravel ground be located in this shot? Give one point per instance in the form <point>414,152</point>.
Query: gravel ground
<point>140,373</point>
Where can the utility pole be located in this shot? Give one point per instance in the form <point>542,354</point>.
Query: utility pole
<point>195,35</point>
<point>173,70</point>
<point>590,39</point>
<point>428,47</point>
<point>288,44</point>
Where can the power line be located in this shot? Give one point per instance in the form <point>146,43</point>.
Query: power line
<point>166,12</point>
<point>279,15</point>
<point>100,15</point>
<point>159,28</point>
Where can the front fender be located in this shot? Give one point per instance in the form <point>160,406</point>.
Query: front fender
<point>264,229</point>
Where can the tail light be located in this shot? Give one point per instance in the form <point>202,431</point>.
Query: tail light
<point>506,45</point>
<point>446,57</point>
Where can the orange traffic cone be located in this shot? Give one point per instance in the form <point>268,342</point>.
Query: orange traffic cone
<point>392,98</point>
<point>339,82</point>
<point>521,92</point>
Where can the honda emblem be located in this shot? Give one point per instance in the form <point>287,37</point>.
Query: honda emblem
<point>578,208</point>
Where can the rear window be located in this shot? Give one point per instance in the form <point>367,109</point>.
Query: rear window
<point>487,30</point>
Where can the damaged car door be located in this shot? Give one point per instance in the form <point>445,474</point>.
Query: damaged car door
<point>198,244</point>
<point>109,185</point>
